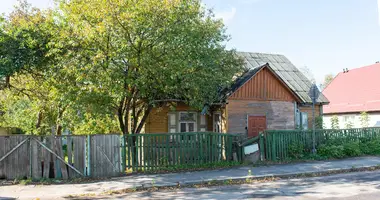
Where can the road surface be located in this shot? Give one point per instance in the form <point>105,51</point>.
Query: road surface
<point>350,186</point>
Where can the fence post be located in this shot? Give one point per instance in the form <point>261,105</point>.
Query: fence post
<point>261,146</point>
<point>123,154</point>
<point>88,155</point>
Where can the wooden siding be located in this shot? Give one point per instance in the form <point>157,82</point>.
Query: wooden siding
<point>157,121</point>
<point>263,86</point>
<point>279,114</point>
<point>309,111</point>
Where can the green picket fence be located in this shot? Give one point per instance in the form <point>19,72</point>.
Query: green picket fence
<point>147,152</point>
<point>278,142</point>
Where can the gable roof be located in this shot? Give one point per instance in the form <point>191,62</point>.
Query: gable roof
<point>289,74</point>
<point>354,91</point>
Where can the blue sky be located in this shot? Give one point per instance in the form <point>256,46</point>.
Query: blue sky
<point>324,35</point>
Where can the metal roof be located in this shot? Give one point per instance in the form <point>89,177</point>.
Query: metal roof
<point>283,68</point>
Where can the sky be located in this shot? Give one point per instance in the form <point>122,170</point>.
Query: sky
<point>323,35</point>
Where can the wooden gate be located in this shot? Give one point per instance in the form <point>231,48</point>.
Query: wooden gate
<point>105,155</point>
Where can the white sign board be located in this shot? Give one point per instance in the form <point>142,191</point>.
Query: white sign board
<point>251,149</point>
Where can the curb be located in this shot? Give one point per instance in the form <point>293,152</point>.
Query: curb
<point>234,181</point>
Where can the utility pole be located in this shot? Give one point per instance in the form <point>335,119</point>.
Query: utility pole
<point>314,94</point>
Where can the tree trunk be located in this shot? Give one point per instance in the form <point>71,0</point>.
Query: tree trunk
<point>7,81</point>
<point>58,129</point>
<point>39,120</point>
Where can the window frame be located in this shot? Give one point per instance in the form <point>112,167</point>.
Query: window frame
<point>213,121</point>
<point>179,121</point>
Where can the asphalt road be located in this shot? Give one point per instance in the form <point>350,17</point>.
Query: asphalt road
<point>350,186</point>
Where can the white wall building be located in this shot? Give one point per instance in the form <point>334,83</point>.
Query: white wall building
<point>352,92</point>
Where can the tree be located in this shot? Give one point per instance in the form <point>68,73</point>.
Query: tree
<point>42,94</point>
<point>364,119</point>
<point>148,53</point>
<point>327,81</point>
<point>24,41</point>
<point>306,71</point>
<point>335,122</point>
<point>349,125</point>
<point>319,122</point>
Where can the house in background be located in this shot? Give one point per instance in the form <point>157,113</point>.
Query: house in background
<point>271,94</point>
<point>352,92</point>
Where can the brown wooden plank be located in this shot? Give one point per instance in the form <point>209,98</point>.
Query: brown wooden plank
<point>47,158</point>
<point>108,168</point>
<point>61,154</point>
<point>21,157</point>
<point>69,155</point>
<point>78,154</point>
<point>96,156</point>
<point>11,166</point>
<point>34,147</point>
<point>2,153</point>
<point>100,147</point>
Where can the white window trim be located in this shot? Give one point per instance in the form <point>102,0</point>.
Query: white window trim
<point>213,120</point>
<point>195,121</point>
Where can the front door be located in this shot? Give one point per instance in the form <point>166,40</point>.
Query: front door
<point>256,124</point>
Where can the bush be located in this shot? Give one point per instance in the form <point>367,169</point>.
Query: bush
<point>352,149</point>
<point>370,147</point>
<point>296,151</point>
<point>331,151</point>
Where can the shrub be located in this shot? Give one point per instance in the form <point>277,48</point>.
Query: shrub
<point>370,147</point>
<point>296,151</point>
<point>351,149</point>
<point>331,151</point>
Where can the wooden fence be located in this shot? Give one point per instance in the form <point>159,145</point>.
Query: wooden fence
<point>107,155</point>
<point>156,151</point>
<point>277,143</point>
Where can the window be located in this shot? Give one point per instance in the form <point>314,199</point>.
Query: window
<point>202,123</point>
<point>348,118</point>
<point>187,122</point>
<point>217,122</point>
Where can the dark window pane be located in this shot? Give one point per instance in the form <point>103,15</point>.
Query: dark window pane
<point>191,127</point>
<point>183,127</point>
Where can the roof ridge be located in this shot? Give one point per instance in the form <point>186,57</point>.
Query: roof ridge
<point>265,53</point>
<point>362,67</point>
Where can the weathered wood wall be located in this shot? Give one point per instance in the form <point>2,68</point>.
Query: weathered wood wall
<point>264,86</point>
<point>31,159</point>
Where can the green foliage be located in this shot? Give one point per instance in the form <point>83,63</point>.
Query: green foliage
<point>349,125</point>
<point>110,61</point>
<point>296,151</point>
<point>331,151</point>
<point>364,119</point>
<point>328,79</point>
<point>352,149</point>
<point>319,122</point>
<point>334,122</point>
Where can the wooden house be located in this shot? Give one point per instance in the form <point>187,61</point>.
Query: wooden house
<point>271,94</point>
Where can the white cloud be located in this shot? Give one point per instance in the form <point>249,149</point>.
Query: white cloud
<point>226,15</point>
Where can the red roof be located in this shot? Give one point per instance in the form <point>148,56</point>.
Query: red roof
<point>354,91</point>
